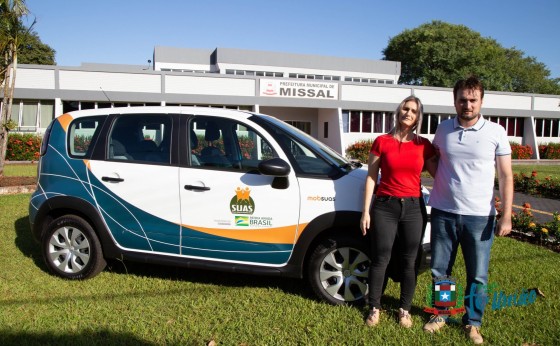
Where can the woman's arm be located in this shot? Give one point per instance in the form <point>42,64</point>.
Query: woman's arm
<point>371,180</point>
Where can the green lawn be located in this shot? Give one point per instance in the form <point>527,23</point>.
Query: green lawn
<point>20,170</point>
<point>542,170</point>
<point>138,304</point>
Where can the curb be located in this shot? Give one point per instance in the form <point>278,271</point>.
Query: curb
<point>12,190</point>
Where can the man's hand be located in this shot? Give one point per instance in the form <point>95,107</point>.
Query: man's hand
<point>503,227</point>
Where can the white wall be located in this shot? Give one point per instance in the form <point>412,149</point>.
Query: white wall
<point>209,86</point>
<point>373,94</point>
<point>35,78</point>
<point>109,81</point>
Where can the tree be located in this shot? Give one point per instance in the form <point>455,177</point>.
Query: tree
<point>11,27</point>
<point>439,53</point>
<point>34,51</point>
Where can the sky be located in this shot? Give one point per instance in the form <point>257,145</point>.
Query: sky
<point>126,31</point>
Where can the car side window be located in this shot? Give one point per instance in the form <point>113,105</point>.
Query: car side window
<point>144,138</point>
<point>307,161</point>
<point>220,143</point>
<point>81,135</point>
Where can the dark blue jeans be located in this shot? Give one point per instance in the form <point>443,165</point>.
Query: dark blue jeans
<point>401,219</point>
<point>475,234</point>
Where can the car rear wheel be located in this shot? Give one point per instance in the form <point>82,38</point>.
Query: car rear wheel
<point>338,270</point>
<point>71,248</point>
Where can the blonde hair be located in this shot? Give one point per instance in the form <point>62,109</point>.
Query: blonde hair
<point>419,115</point>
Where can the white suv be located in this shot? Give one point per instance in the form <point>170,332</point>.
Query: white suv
<point>201,188</point>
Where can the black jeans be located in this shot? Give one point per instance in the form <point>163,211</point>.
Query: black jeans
<point>395,218</point>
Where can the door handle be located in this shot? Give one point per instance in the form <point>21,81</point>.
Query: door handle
<point>112,180</point>
<point>196,188</point>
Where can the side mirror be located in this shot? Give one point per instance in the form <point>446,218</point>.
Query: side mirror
<point>277,168</point>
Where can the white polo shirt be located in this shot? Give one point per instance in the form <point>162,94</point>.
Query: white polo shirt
<point>464,181</point>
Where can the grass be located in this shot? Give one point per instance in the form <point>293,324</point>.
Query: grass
<point>542,170</point>
<point>20,170</point>
<point>139,304</point>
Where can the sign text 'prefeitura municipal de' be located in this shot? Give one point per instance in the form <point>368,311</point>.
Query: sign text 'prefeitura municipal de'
<point>299,89</point>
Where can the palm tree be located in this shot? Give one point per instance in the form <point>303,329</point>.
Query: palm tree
<point>11,28</point>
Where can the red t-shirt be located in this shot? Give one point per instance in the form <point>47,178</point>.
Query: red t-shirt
<point>401,165</point>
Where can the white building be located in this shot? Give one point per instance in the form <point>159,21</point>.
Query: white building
<point>337,100</point>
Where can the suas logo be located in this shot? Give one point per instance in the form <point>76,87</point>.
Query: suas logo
<point>242,203</point>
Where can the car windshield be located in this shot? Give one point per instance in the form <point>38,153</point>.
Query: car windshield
<point>322,150</point>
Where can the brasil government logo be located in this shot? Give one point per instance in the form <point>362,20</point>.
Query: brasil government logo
<point>445,297</point>
<point>242,203</point>
<point>242,221</point>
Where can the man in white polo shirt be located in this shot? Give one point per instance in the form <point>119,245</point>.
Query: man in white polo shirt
<point>463,213</point>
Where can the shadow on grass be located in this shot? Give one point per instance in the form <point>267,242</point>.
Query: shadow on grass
<point>26,243</point>
<point>227,279</point>
<point>30,248</point>
<point>103,337</point>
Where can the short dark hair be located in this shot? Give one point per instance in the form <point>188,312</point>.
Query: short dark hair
<point>471,83</point>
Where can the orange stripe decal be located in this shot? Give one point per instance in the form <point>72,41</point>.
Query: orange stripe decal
<point>275,235</point>
<point>64,121</point>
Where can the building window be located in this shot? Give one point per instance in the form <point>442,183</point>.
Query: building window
<point>345,115</point>
<point>519,127</point>
<point>547,128</point>
<point>87,105</point>
<point>31,115</point>
<point>434,122</point>
<point>378,122</point>
<point>366,122</point>
<point>388,122</point>
<point>326,129</point>
<point>301,125</point>
<point>555,128</point>
<point>354,121</point>
<point>46,111</point>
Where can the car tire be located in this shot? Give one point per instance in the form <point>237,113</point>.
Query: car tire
<point>71,248</point>
<point>338,270</point>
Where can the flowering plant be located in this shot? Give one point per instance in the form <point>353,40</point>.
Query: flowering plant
<point>521,152</point>
<point>524,222</point>
<point>550,151</point>
<point>531,184</point>
<point>359,150</point>
<point>23,147</point>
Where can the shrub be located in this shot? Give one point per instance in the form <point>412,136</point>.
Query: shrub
<point>532,185</point>
<point>23,147</point>
<point>520,152</point>
<point>359,150</point>
<point>524,222</point>
<point>550,151</point>
<point>554,225</point>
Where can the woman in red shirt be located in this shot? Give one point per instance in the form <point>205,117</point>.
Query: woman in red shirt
<point>401,155</point>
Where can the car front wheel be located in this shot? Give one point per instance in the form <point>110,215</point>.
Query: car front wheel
<point>71,248</point>
<point>338,270</point>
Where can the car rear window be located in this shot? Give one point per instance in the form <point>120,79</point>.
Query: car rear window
<point>81,134</point>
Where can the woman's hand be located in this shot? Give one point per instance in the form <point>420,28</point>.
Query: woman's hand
<point>364,223</point>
